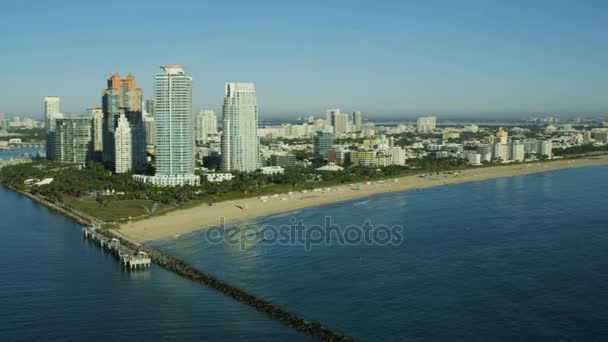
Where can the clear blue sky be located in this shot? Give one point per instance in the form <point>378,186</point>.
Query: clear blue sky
<point>399,58</point>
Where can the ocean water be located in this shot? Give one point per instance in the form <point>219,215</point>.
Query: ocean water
<point>4,154</point>
<point>54,286</point>
<point>519,258</point>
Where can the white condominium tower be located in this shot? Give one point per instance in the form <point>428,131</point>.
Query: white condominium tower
<point>341,123</point>
<point>240,142</point>
<point>97,116</point>
<point>122,145</point>
<point>51,112</point>
<point>174,122</point>
<point>205,124</point>
<point>174,129</point>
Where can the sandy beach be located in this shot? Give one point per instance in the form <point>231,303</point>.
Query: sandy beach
<point>197,218</point>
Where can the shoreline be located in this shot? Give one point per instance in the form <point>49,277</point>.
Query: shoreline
<point>184,221</point>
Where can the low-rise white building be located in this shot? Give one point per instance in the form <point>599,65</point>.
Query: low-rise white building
<point>169,180</point>
<point>218,177</point>
<point>272,170</point>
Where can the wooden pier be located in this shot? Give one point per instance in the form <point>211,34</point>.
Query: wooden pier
<point>130,259</point>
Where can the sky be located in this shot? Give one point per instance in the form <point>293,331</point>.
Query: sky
<point>386,58</point>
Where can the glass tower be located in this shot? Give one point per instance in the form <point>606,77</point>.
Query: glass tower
<point>174,122</point>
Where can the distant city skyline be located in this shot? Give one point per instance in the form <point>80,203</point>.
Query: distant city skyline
<point>384,58</point>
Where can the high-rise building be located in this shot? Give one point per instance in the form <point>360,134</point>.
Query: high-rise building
<point>502,136</point>
<point>121,96</point>
<point>150,128</point>
<point>426,124</point>
<point>331,116</point>
<point>174,129</point>
<point>51,113</point>
<point>123,160</point>
<point>322,142</point>
<point>357,121</point>
<point>398,155</point>
<point>545,149</point>
<point>205,124</point>
<point>97,131</point>
<point>150,107</point>
<point>72,140</point>
<point>500,152</point>
<point>341,123</point>
<point>517,151</point>
<point>240,142</point>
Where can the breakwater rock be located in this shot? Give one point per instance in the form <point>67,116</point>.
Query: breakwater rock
<point>288,318</point>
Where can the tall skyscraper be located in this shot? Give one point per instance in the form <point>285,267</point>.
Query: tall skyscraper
<point>174,129</point>
<point>240,142</point>
<point>205,124</point>
<point>502,136</point>
<point>122,145</point>
<point>150,107</point>
<point>121,96</point>
<point>51,113</point>
<point>341,123</point>
<point>72,140</point>
<point>331,116</point>
<point>517,151</point>
<point>97,131</point>
<point>357,121</point>
<point>150,127</point>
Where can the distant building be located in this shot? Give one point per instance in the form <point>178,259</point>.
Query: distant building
<point>51,113</point>
<point>72,140</point>
<point>150,128</point>
<point>240,142</point>
<point>545,149</point>
<point>272,170</point>
<point>340,123</point>
<point>218,177</point>
<point>123,161</point>
<point>398,155</point>
<point>518,152</point>
<point>150,107</point>
<point>357,121</point>
<point>500,152</point>
<point>426,124</point>
<point>331,116</point>
<point>502,136</point>
<point>322,142</point>
<point>471,128</point>
<point>205,124</point>
<point>472,157</point>
<point>284,160</point>
<point>97,131</point>
<point>485,152</point>
<point>367,158</point>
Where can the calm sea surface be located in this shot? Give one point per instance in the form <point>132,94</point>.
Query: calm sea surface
<point>521,258</point>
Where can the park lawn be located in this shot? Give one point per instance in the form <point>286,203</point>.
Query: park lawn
<point>116,210</point>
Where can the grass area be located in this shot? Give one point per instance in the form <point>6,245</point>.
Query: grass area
<point>115,210</point>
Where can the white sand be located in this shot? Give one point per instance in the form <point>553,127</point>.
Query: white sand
<point>196,218</point>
